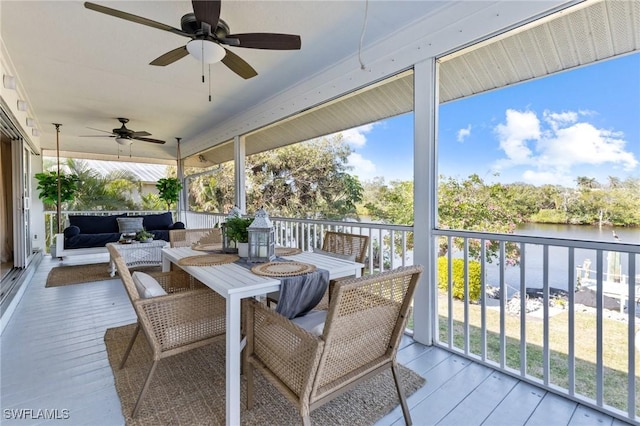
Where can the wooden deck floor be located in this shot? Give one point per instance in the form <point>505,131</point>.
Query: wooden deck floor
<point>53,357</point>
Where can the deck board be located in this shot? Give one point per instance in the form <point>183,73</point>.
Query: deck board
<point>53,356</point>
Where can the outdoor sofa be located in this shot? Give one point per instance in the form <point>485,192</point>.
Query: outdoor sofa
<point>90,234</point>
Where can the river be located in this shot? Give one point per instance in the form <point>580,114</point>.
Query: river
<point>558,257</point>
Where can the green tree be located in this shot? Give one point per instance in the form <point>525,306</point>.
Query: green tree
<point>169,189</point>
<point>48,187</point>
<point>308,179</point>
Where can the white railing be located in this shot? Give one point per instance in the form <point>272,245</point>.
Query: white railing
<point>586,353</point>
<point>387,243</point>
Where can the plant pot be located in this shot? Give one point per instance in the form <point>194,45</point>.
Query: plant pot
<point>243,249</point>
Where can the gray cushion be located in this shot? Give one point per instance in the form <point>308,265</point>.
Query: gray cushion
<point>147,286</point>
<point>313,322</point>
<point>350,257</point>
<point>130,224</point>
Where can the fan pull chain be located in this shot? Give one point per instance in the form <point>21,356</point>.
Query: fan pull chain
<point>209,82</point>
<point>202,55</point>
<point>364,28</point>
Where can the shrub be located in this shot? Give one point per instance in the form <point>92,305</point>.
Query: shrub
<point>458,278</point>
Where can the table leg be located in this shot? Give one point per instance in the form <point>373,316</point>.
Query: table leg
<point>233,360</point>
<point>166,264</point>
<point>112,267</point>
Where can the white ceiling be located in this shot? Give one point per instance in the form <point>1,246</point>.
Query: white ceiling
<point>84,69</point>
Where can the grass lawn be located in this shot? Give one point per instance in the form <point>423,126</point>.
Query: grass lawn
<point>615,350</point>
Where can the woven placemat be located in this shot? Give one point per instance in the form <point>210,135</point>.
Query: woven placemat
<point>207,247</point>
<point>287,251</point>
<point>208,260</point>
<point>282,269</point>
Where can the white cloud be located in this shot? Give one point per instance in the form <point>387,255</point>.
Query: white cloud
<point>464,133</point>
<point>566,142</point>
<point>514,135</point>
<point>356,137</point>
<point>363,168</point>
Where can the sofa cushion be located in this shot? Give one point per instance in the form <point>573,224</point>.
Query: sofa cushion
<point>177,225</point>
<point>147,286</point>
<point>90,240</point>
<point>129,224</point>
<point>157,222</point>
<point>95,224</point>
<point>71,231</point>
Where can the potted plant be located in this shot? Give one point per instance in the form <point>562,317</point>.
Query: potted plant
<point>236,230</point>
<point>169,190</point>
<point>144,236</point>
<point>48,187</point>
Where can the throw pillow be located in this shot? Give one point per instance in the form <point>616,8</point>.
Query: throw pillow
<point>349,257</point>
<point>147,286</point>
<point>157,222</point>
<point>71,231</point>
<point>130,224</point>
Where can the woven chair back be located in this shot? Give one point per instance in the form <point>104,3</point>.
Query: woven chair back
<point>366,319</point>
<point>189,237</point>
<point>344,243</point>
<point>124,273</point>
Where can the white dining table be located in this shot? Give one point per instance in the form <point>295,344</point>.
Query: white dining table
<point>234,283</point>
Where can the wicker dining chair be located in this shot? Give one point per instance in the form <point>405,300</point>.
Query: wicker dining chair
<point>191,237</point>
<point>189,315</point>
<point>359,339</point>
<point>339,243</point>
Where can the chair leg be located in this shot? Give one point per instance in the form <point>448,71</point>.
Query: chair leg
<point>144,388</point>
<point>133,339</point>
<point>403,400</point>
<point>248,372</point>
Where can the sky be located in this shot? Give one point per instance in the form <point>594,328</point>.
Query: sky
<point>581,122</point>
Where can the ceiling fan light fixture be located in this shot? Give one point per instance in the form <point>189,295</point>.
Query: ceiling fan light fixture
<point>124,141</point>
<point>206,51</point>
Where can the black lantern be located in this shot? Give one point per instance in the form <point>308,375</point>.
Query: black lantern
<point>229,245</point>
<point>262,245</point>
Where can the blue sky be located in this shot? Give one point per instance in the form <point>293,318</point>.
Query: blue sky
<point>583,122</point>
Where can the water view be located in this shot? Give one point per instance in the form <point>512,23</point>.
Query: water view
<point>558,256</point>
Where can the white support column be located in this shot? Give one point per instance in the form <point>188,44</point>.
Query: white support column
<point>240,153</point>
<point>184,193</point>
<point>425,176</point>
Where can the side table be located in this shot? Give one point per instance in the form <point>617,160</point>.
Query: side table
<point>138,254</point>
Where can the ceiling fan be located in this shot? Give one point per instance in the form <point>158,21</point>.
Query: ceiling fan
<point>208,33</point>
<point>125,136</point>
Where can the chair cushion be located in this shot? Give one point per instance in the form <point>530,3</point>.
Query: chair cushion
<point>95,224</point>
<point>349,257</point>
<point>313,322</point>
<point>130,224</point>
<point>147,286</point>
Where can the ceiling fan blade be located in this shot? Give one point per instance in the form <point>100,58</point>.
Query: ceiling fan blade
<point>147,139</point>
<point>272,41</point>
<point>238,65</point>
<point>141,133</point>
<point>134,18</point>
<point>99,130</point>
<point>170,57</point>
<point>207,11</point>
<point>97,136</point>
